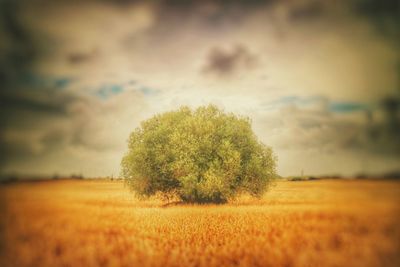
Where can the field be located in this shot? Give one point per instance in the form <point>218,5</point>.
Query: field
<point>100,223</point>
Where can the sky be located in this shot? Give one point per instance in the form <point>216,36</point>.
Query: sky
<point>320,80</point>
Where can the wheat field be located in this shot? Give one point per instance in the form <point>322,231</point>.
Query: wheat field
<point>100,223</point>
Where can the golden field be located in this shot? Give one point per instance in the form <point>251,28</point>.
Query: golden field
<point>100,223</point>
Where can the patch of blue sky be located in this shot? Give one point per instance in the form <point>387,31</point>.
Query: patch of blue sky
<point>335,107</point>
<point>61,83</point>
<point>147,91</point>
<point>347,107</point>
<point>288,99</point>
<point>31,80</point>
<point>107,91</point>
<point>292,100</point>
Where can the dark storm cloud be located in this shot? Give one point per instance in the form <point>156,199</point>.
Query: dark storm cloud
<point>385,135</point>
<point>24,144</point>
<point>307,10</point>
<point>18,46</point>
<point>225,62</point>
<point>30,119</point>
<point>45,101</point>
<point>190,4</point>
<point>384,14</point>
<point>36,123</point>
<point>379,137</point>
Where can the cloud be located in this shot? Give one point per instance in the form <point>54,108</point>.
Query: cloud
<point>27,117</point>
<point>309,73</point>
<point>321,141</point>
<point>225,63</point>
<point>383,129</point>
<point>19,47</point>
<point>307,10</point>
<point>35,100</point>
<point>42,125</point>
<point>327,126</point>
<point>82,57</point>
<point>295,128</point>
<point>384,14</point>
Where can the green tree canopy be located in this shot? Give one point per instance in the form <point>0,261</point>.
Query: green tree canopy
<point>201,155</point>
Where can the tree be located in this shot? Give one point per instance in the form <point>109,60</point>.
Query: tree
<point>202,155</point>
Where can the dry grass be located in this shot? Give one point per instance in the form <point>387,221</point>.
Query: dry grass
<point>99,223</point>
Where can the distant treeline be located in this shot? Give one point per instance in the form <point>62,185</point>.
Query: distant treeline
<point>389,176</point>
<point>11,178</point>
<point>5,179</point>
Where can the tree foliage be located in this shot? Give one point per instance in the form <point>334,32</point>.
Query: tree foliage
<point>201,155</point>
